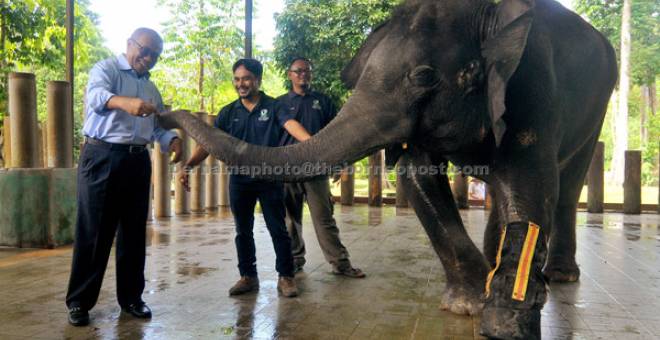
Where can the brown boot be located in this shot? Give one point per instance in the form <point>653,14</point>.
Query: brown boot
<point>345,269</point>
<point>244,285</point>
<point>287,286</point>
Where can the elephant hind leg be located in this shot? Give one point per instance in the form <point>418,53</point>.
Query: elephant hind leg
<point>561,265</point>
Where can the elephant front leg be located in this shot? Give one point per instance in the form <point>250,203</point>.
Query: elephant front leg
<point>516,287</point>
<point>465,266</point>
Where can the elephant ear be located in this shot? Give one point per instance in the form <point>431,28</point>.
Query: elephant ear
<point>352,72</point>
<point>502,52</point>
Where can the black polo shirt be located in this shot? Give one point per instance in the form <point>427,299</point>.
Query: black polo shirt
<point>263,126</point>
<point>314,111</point>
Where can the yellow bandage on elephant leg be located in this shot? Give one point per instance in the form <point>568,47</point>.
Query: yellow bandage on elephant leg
<point>498,259</point>
<point>525,262</point>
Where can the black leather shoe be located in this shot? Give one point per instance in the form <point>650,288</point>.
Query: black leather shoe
<point>138,310</point>
<point>78,317</point>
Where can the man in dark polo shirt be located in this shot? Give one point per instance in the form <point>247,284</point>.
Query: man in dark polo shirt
<point>314,111</point>
<point>258,119</point>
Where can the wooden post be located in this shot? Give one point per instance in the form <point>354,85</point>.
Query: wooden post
<point>70,28</point>
<point>632,184</point>
<point>460,190</point>
<point>162,183</point>
<point>596,180</point>
<point>211,198</point>
<point>197,178</point>
<point>488,199</point>
<point>401,200</point>
<point>59,130</point>
<point>181,201</point>
<point>376,179</point>
<point>248,28</point>
<point>23,116</point>
<point>658,181</point>
<point>348,185</point>
<point>223,185</point>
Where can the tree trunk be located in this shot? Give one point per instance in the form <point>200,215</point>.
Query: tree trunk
<point>621,119</point>
<point>201,84</point>
<point>643,115</point>
<point>653,98</point>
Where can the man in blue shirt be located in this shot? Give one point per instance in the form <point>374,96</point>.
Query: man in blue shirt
<point>258,119</point>
<point>114,175</point>
<point>314,111</point>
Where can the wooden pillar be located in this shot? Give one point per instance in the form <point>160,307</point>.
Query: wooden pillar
<point>23,116</point>
<point>162,183</point>
<point>70,28</point>
<point>197,178</point>
<point>223,185</point>
<point>658,207</point>
<point>181,199</point>
<point>59,129</point>
<point>211,191</point>
<point>401,199</point>
<point>248,28</point>
<point>596,180</point>
<point>632,184</point>
<point>376,179</point>
<point>348,185</point>
<point>488,199</point>
<point>460,190</point>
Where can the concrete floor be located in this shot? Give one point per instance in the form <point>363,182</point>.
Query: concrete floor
<point>192,263</point>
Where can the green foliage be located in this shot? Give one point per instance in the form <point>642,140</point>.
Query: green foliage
<point>329,33</point>
<point>35,41</point>
<point>200,32</point>
<point>605,15</point>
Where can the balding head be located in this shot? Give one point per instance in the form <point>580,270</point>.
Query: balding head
<point>143,49</point>
<point>148,32</point>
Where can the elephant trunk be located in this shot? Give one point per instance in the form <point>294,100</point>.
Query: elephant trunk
<point>348,138</point>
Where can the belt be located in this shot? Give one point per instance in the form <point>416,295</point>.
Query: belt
<point>131,148</point>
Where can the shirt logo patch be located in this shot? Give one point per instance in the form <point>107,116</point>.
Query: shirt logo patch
<point>316,105</point>
<point>263,115</point>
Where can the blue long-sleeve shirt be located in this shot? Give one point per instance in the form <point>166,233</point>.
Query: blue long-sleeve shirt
<point>115,77</point>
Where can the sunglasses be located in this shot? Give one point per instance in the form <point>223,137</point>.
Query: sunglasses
<point>145,51</point>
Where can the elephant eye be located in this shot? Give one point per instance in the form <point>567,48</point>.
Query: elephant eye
<point>424,76</point>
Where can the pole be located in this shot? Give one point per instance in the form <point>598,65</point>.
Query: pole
<point>70,16</point>
<point>248,28</point>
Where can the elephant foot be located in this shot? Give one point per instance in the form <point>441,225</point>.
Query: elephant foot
<point>506,323</point>
<point>516,288</point>
<point>556,271</point>
<point>461,301</point>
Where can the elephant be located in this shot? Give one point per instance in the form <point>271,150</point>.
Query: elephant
<point>519,86</point>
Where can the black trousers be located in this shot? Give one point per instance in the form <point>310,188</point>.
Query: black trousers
<point>113,194</point>
<point>242,199</point>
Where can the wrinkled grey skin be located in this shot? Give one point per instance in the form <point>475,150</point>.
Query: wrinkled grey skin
<point>521,86</point>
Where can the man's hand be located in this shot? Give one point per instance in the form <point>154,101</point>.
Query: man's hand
<point>139,107</point>
<point>184,178</point>
<point>176,150</point>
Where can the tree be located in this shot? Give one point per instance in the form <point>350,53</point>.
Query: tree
<point>33,39</point>
<point>202,40</point>
<point>621,115</point>
<point>329,33</point>
<point>644,65</point>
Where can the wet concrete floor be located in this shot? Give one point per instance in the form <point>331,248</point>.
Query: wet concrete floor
<point>192,263</point>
